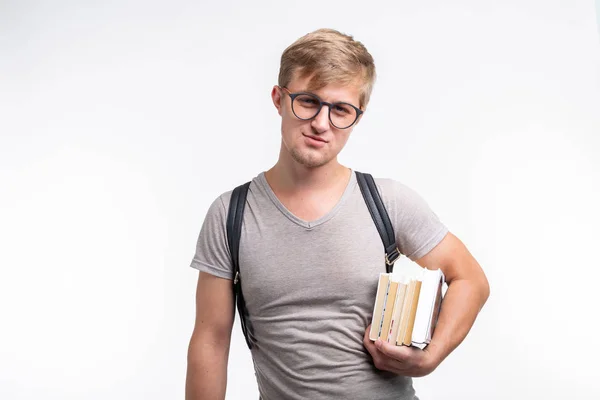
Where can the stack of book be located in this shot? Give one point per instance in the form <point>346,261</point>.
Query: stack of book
<point>407,307</point>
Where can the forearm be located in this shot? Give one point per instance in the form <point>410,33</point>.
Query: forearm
<point>462,302</point>
<point>206,371</point>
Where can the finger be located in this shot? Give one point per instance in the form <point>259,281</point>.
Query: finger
<point>367,332</point>
<point>386,363</point>
<point>366,339</point>
<point>370,346</point>
<point>403,354</point>
<point>402,360</point>
<point>379,359</point>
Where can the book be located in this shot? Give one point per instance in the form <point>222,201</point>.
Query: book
<point>407,306</point>
<point>405,312</point>
<point>387,311</point>
<point>382,289</point>
<point>412,312</point>
<point>430,300</point>
<point>395,323</point>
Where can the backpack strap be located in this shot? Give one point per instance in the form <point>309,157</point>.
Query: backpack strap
<point>380,217</point>
<point>234,232</point>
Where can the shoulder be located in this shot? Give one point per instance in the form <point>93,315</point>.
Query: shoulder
<point>417,227</point>
<point>401,200</point>
<point>389,185</point>
<point>220,204</point>
<point>394,192</point>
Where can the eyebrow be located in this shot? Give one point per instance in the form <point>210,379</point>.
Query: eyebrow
<point>314,94</point>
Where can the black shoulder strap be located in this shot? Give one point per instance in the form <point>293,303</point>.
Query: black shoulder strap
<point>380,217</point>
<point>237,204</point>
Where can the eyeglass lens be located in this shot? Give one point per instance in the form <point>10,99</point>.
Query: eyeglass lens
<point>306,106</point>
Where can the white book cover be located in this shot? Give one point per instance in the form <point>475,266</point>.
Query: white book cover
<point>432,281</point>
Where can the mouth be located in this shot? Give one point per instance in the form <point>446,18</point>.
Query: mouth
<point>315,138</point>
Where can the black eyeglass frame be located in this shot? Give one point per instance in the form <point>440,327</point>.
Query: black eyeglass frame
<point>321,103</point>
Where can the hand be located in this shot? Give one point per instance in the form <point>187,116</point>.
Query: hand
<point>401,360</point>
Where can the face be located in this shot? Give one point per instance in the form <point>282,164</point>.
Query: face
<point>313,143</point>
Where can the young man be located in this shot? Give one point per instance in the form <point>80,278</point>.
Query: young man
<point>310,253</point>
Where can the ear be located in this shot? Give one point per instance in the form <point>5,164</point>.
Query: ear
<point>359,118</point>
<point>276,97</point>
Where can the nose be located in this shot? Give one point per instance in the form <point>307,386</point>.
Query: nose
<point>321,122</point>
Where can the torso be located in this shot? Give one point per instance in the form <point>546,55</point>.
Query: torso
<point>309,277</point>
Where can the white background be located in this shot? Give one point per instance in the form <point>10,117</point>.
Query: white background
<point>120,122</point>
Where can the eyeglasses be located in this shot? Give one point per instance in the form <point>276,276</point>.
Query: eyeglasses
<point>307,106</point>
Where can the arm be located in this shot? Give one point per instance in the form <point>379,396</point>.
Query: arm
<point>467,292</point>
<point>209,346</point>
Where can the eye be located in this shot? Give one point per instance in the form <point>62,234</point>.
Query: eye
<point>342,109</point>
<point>307,100</point>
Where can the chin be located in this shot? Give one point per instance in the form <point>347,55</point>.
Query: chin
<point>309,158</point>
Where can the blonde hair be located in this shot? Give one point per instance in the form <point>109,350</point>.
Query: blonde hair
<point>328,56</point>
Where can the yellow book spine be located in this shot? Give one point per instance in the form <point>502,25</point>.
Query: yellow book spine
<point>411,317</point>
<point>389,305</point>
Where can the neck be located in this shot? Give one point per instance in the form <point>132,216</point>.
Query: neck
<point>287,175</point>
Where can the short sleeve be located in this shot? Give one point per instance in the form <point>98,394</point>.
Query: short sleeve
<point>418,229</point>
<point>212,251</point>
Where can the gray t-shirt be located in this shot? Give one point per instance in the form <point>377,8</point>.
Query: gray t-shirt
<point>310,287</point>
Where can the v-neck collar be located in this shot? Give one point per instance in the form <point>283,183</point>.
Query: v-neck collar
<point>299,221</point>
